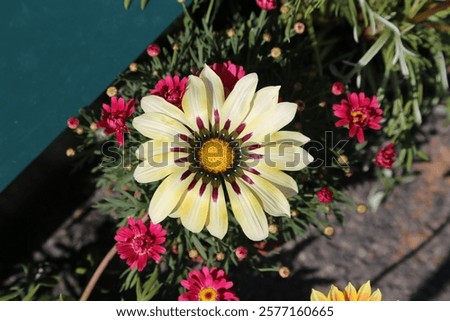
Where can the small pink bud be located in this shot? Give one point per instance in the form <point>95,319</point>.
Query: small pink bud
<point>73,122</point>
<point>241,252</point>
<point>337,88</point>
<point>325,195</point>
<point>153,50</point>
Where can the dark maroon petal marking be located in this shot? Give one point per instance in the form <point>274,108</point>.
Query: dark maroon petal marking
<point>252,170</point>
<point>183,137</point>
<point>202,189</point>
<point>200,123</point>
<point>255,156</point>
<point>253,147</point>
<point>185,175</point>
<point>227,124</point>
<point>247,179</point>
<point>236,188</point>
<point>240,128</point>
<point>192,184</point>
<point>177,149</point>
<point>216,116</point>
<point>247,137</point>
<point>181,160</point>
<point>215,194</point>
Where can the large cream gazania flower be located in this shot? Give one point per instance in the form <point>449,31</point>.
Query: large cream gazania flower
<point>220,147</point>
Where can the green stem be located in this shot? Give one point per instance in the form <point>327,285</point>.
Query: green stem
<point>312,34</point>
<point>368,56</point>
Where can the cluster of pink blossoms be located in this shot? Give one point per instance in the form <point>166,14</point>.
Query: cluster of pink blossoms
<point>138,243</point>
<point>359,113</point>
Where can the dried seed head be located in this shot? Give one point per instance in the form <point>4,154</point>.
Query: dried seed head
<point>111,91</point>
<point>284,272</point>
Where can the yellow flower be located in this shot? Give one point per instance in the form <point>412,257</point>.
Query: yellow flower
<point>216,146</point>
<point>349,294</point>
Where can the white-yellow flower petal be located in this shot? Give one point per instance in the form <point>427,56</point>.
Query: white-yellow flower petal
<point>274,202</point>
<point>271,121</point>
<point>156,104</point>
<point>286,157</point>
<point>238,102</point>
<point>194,207</point>
<point>264,100</point>
<point>214,92</point>
<point>151,148</point>
<point>195,104</point>
<point>168,193</point>
<point>292,137</point>
<point>159,127</point>
<point>248,212</point>
<point>285,183</point>
<point>157,167</point>
<point>217,221</point>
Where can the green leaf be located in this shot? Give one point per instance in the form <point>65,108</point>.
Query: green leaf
<point>423,155</point>
<point>31,293</point>
<point>126,3</point>
<point>10,296</point>
<point>199,247</point>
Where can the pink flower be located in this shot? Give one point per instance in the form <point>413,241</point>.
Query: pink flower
<point>337,88</point>
<point>241,252</point>
<point>153,50</point>
<point>207,285</point>
<point>325,195</point>
<point>73,122</point>
<point>358,112</point>
<point>114,117</point>
<point>171,89</point>
<point>386,156</point>
<point>229,73</point>
<point>137,243</point>
<point>267,4</point>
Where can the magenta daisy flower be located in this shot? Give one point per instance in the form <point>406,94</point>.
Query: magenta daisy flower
<point>207,285</point>
<point>114,117</point>
<point>137,243</point>
<point>171,89</point>
<point>229,73</point>
<point>358,112</point>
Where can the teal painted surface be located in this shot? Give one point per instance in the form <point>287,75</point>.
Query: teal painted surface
<point>57,56</point>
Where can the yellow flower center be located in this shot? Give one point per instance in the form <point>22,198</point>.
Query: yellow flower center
<point>207,294</point>
<point>216,156</point>
<point>358,116</point>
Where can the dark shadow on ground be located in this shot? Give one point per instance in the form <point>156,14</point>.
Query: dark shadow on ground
<point>38,201</point>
